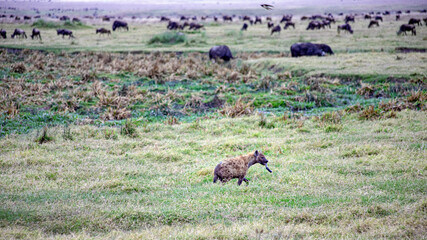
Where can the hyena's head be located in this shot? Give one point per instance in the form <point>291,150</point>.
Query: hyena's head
<point>260,158</point>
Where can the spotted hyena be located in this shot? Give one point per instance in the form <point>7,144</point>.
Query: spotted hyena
<point>238,167</point>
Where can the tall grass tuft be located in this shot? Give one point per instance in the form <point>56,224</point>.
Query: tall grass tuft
<point>54,25</point>
<point>168,38</point>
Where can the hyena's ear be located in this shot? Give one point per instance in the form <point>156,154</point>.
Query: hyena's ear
<point>256,153</point>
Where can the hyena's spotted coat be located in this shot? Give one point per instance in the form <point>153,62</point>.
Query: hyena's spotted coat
<point>238,167</point>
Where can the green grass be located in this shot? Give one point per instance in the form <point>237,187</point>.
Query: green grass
<point>136,122</point>
<point>42,24</point>
<point>344,184</point>
<point>168,38</point>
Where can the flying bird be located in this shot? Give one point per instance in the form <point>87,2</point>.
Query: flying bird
<point>267,6</point>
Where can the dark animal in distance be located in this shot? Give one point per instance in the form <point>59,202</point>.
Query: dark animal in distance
<point>173,25</point>
<point>367,16</point>
<point>425,21</point>
<point>270,25</point>
<point>268,19</point>
<point>314,25</point>
<point>102,31</point>
<point>36,33</point>
<point>65,32</point>
<point>276,29</point>
<point>310,49</point>
<point>257,20</point>
<point>379,18</point>
<point>27,18</point>
<point>397,17</point>
<point>19,32</point>
<point>76,19</point>
<point>349,18</point>
<point>3,34</point>
<point>415,21</point>
<point>238,167</point>
<point>195,26</point>
<point>407,28</point>
<point>244,27</point>
<point>164,19</point>
<point>373,23</point>
<point>120,24</point>
<point>288,24</point>
<point>222,51</point>
<point>286,18</point>
<point>345,27</point>
<point>64,18</point>
<point>326,23</point>
<point>227,18</point>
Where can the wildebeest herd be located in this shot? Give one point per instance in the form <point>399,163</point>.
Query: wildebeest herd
<point>316,22</point>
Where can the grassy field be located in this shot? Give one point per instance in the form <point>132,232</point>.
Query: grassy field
<point>115,137</point>
<point>257,38</point>
<point>349,179</point>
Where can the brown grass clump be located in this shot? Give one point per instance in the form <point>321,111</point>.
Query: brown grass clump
<point>370,113</point>
<point>238,109</point>
<point>365,90</point>
<point>116,114</point>
<point>19,68</point>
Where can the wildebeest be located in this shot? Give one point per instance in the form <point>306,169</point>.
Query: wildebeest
<point>36,33</point>
<point>19,32</point>
<point>270,25</point>
<point>257,20</point>
<point>215,19</point>
<point>76,19</point>
<point>310,49</point>
<point>184,18</point>
<point>268,19</point>
<point>379,18</point>
<point>244,27</point>
<point>64,18</point>
<point>222,51</point>
<point>227,18</point>
<point>286,18</point>
<point>345,27</point>
<point>164,19</point>
<point>406,28</point>
<point>288,24</point>
<point>238,167</point>
<point>120,24</point>
<point>194,18</point>
<point>397,17</point>
<point>349,18</point>
<point>246,18</point>
<point>331,19</point>
<point>372,23</point>
<point>103,31</point>
<point>415,21</point>
<point>326,23</point>
<point>367,16</point>
<point>106,18</point>
<point>172,25</point>
<point>65,32</point>
<point>425,21</point>
<point>27,18</point>
<point>276,29</point>
<point>17,18</point>
<point>196,26</point>
<point>304,18</point>
<point>3,33</point>
<point>314,25</point>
